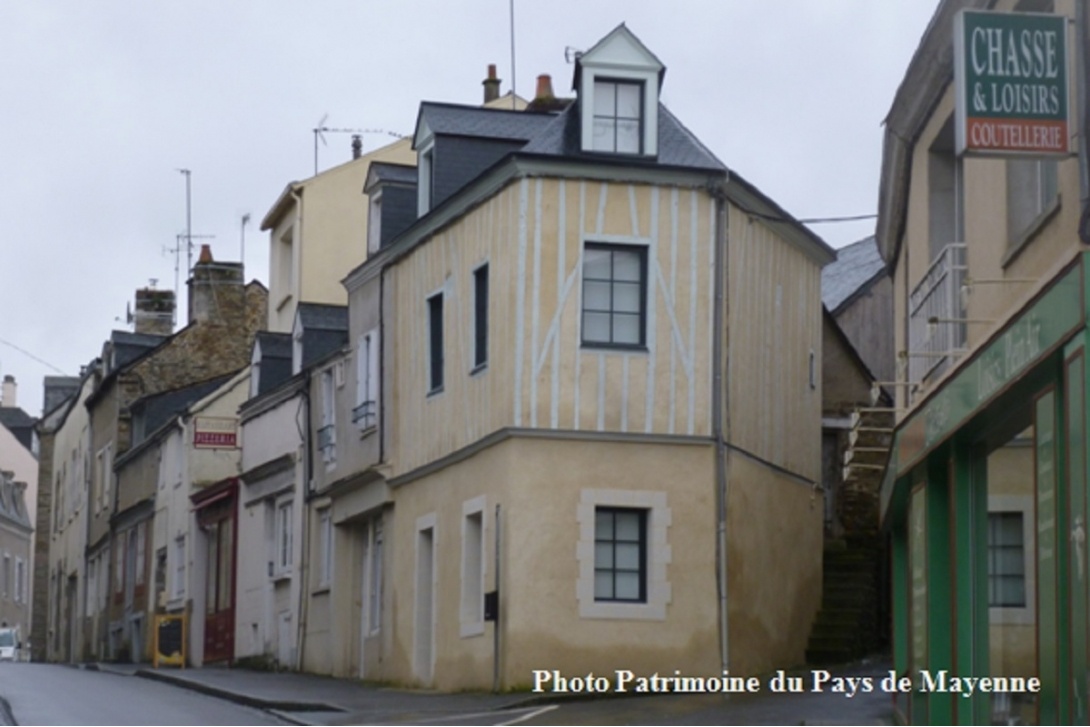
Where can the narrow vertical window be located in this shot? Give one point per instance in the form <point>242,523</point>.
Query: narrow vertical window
<point>617,116</point>
<point>480,316</point>
<point>435,342</point>
<point>1006,560</point>
<point>620,554</point>
<point>325,537</point>
<point>472,606</point>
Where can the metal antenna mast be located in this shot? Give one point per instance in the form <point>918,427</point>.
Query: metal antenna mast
<point>242,240</point>
<point>188,221</point>
<point>321,129</point>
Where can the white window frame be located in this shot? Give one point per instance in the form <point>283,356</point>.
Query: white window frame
<point>325,547</point>
<point>374,585</point>
<point>1019,614</point>
<point>425,178</point>
<point>20,580</point>
<point>659,554</point>
<point>649,132</point>
<point>283,527</point>
<point>474,567</point>
<point>178,572</point>
<point>365,413</point>
<point>329,416</point>
<point>374,222</point>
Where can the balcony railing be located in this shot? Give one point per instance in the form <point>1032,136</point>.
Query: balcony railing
<point>937,297</point>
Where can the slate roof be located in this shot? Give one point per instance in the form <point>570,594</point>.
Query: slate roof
<point>275,360</point>
<point>20,424</point>
<point>855,268</point>
<point>458,120</point>
<point>388,173</point>
<point>678,147</point>
<point>128,346</point>
<point>157,409</point>
<point>319,316</point>
<point>325,329</point>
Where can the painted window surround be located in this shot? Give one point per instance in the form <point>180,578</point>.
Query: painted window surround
<point>1026,614</point>
<point>659,554</point>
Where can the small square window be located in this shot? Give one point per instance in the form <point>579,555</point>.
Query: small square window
<point>614,295</point>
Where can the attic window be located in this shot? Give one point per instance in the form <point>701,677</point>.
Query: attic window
<point>617,118</point>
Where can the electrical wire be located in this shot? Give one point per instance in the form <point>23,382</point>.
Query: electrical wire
<point>30,355</point>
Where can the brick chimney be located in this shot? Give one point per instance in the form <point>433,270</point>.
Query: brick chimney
<point>154,311</point>
<point>8,397</point>
<point>491,84</point>
<point>216,290</point>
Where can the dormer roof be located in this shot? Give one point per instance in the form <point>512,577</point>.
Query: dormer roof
<point>620,48</point>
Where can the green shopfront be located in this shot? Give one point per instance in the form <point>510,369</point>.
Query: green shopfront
<point>985,500</point>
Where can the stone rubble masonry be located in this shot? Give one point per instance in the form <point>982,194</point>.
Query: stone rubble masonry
<point>39,626</point>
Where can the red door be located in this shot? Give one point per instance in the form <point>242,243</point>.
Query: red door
<point>217,522</point>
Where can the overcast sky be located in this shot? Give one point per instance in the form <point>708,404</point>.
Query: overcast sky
<point>103,101</point>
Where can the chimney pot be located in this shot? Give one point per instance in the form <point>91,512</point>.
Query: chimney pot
<point>544,87</point>
<point>491,84</point>
<point>206,254</point>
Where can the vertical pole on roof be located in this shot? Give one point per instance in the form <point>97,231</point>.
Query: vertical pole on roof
<point>511,5</point>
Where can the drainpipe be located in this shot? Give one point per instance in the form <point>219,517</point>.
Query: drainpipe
<point>308,494</point>
<point>1082,77</point>
<point>721,412</point>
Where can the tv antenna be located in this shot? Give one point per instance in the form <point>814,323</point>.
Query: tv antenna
<point>182,241</point>
<point>321,130</point>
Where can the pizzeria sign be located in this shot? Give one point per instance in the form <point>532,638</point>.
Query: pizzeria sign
<point>215,432</point>
<point>1010,75</point>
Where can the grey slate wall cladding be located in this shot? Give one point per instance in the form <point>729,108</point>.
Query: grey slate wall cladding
<point>398,212</point>
<point>458,160</point>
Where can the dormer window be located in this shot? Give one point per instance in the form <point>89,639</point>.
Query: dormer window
<point>617,116</point>
<point>618,82</point>
<point>425,178</point>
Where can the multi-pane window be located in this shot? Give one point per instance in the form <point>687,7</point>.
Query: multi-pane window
<point>480,316</point>
<point>1006,560</point>
<point>617,117</point>
<point>435,342</point>
<point>620,554</point>
<point>614,297</point>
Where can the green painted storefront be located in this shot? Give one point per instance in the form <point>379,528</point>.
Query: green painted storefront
<point>1009,425</point>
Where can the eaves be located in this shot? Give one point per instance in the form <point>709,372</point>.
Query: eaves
<point>518,165</point>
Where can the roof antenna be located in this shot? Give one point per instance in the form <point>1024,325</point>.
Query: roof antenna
<point>511,4</point>
<point>571,54</point>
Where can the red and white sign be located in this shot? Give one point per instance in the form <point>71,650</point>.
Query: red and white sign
<point>215,433</point>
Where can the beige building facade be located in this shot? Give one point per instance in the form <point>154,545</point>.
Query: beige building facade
<point>583,390</point>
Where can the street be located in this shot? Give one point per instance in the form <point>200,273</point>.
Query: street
<point>49,694</point>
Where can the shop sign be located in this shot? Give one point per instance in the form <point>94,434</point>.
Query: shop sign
<point>215,432</point>
<point>1010,76</point>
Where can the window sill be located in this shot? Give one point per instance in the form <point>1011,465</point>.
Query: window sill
<point>478,368</point>
<point>367,431</point>
<point>471,630</point>
<point>321,590</point>
<point>1014,251</point>
<point>434,392</point>
<point>593,347</point>
<point>280,577</point>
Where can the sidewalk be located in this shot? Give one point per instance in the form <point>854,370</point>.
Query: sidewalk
<point>307,699</point>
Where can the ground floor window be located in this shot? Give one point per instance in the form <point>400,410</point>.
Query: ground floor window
<point>1006,560</point>
<point>620,554</point>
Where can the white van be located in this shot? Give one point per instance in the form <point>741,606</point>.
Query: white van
<point>10,644</point>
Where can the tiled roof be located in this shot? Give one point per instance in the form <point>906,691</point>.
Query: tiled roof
<point>854,268</point>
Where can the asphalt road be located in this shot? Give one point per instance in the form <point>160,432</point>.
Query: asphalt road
<point>50,694</point>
